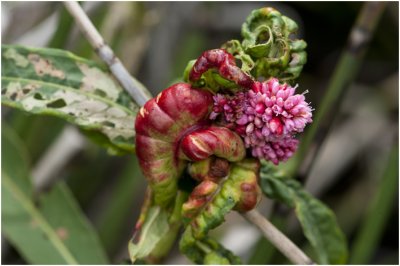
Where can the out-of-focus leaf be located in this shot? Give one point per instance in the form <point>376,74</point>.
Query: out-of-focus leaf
<point>378,214</point>
<point>30,129</point>
<point>65,24</point>
<point>113,219</point>
<point>51,231</point>
<point>154,228</point>
<point>317,220</point>
<point>56,82</point>
<point>15,159</point>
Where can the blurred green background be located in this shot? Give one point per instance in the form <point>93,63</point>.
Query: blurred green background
<point>352,172</point>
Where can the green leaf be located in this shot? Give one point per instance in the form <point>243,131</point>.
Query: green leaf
<point>268,38</point>
<point>317,220</point>
<point>114,214</point>
<point>58,83</point>
<point>378,213</point>
<point>154,228</point>
<point>52,230</point>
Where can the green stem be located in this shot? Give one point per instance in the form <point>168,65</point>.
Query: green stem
<point>378,213</point>
<point>345,73</point>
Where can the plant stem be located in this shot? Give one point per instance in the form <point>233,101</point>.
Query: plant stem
<point>278,239</point>
<point>137,91</point>
<point>141,95</point>
<point>264,251</point>
<point>379,210</point>
<point>345,73</point>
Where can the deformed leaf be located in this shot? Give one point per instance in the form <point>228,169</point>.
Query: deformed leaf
<point>195,242</point>
<point>154,228</point>
<point>317,220</point>
<point>52,230</point>
<point>268,37</point>
<point>55,82</point>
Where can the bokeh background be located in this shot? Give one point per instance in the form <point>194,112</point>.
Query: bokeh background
<point>155,41</point>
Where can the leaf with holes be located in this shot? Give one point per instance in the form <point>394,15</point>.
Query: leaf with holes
<point>52,230</point>
<point>58,83</point>
<point>317,220</point>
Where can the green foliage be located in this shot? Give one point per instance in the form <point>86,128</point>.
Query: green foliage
<point>113,219</point>
<point>154,228</point>
<point>267,49</point>
<point>377,216</point>
<point>205,250</point>
<point>57,83</point>
<point>318,221</point>
<point>154,238</point>
<point>49,230</point>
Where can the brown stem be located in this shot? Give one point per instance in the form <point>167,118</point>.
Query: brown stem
<point>137,91</point>
<point>277,238</point>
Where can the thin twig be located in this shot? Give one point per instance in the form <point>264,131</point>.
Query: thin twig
<point>142,95</point>
<point>277,238</point>
<point>137,91</point>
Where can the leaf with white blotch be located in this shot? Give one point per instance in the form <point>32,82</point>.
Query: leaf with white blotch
<point>155,227</point>
<point>58,83</point>
<point>317,220</point>
<point>50,230</point>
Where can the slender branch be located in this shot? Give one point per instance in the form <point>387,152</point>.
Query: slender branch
<point>277,238</point>
<point>345,73</point>
<point>137,91</point>
<point>142,95</point>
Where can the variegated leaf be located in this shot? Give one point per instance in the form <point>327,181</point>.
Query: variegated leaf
<point>55,82</point>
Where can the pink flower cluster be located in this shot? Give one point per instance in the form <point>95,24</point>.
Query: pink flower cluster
<point>267,117</point>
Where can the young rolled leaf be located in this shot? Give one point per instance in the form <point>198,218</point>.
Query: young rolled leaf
<point>52,230</point>
<point>267,39</point>
<point>317,220</point>
<point>223,70</point>
<point>268,49</point>
<point>58,83</point>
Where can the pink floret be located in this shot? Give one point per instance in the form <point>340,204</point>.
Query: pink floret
<point>267,117</point>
